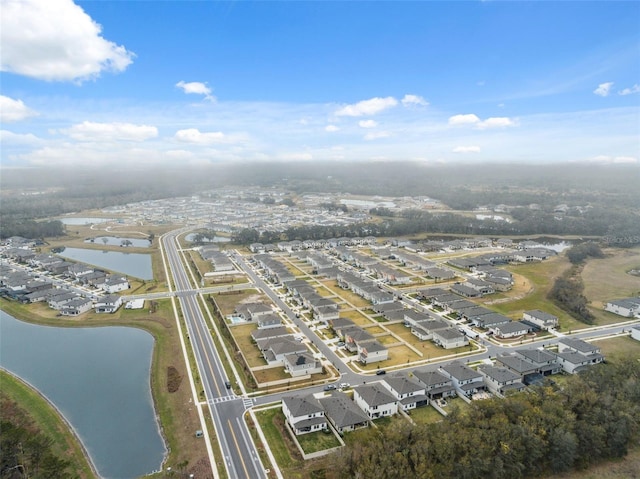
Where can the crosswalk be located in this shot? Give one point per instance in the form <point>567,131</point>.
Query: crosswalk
<point>248,402</point>
<point>221,399</point>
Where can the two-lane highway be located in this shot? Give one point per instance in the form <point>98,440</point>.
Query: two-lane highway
<point>241,458</point>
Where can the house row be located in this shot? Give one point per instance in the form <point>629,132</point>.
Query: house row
<point>274,269</point>
<point>220,261</point>
<point>365,288</point>
<point>357,340</point>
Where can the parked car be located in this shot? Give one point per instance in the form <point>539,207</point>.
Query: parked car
<point>330,387</point>
<point>380,372</point>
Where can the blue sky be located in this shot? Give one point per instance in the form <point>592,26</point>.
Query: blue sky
<point>196,82</point>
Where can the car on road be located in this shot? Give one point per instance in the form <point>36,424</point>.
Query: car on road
<point>227,384</point>
<point>344,385</point>
<point>330,387</point>
<point>380,372</point>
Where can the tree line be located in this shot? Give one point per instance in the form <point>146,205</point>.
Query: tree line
<point>594,417</point>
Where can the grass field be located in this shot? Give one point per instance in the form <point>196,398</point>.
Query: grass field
<point>44,418</point>
<point>317,441</point>
<point>617,349</point>
<point>425,415</point>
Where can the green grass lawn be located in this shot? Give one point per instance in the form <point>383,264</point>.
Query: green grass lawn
<point>425,415</point>
<point>318,441</point>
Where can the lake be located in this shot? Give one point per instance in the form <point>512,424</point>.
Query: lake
<point>99,379</point>
<point>137,265</point>
<point>216,239</point>
<point>84,221</point>
<point>117,241</point>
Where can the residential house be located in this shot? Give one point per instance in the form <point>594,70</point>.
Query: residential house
<point>277,332</point>
<point>466,380</point>
<point>545,361</point>
<point>436,385</point>
<point>512,329</point>
<point>266,321</point>
<point>627,307</point>
<point>540,319</point>
<point>409,392</point>
<point>301,364</point>
<point>372,352</point>
<point>375,400</point>
<point>115,284</point>
<point>528,371</point>
<point>635,332</point>
<point>487,321</point>
<point>304,414</point>
<point>76,306</point>
<point>574,355</point>
<point>275,349</point>
<point>449,338</point>
<point>465,291</point>
<point>343,413</point>
<point>108,304</point>
<point>499,380</point>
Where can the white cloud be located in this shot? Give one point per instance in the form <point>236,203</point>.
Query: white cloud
<point>331,128</point>
<point>367,123</point>
<point>7,137</point>
<point>90,131</point>
<point>630,91</point>
<point>614,159</point>
<point>13,110</point>
<point>193,135</point>
<point>55,40</point>
<point>603,89</point>
<point>367,107</point>
<point>375,135</point>
<point>196,88</point>
<point>466,149</point>
<point>496,122</point>
<point>469,119</point>
<point>414,100</point>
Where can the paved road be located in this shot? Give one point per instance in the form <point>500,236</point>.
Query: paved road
<point>240,455</point>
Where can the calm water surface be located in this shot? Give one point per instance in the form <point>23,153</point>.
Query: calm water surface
<point>99,378</point>
<point>131,264</point>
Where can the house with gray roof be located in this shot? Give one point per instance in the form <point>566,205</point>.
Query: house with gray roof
<point>627,307</point>
<point>527,370</point>
<point>277,332</point>
<point>301,364</point>
<point>574,355</point>
<point>304,414</point>
<point>545,361</point>
<point>372,352</point>
<point>275,349</point>
<point>449,338</point>
<point>343,414</point>
<point>499,380</point>
<point>76,306</point>
<point>467,381</point>
<point>542,320</point>
<point>409,392</point>
<point>108,303</point>
<point>487,321</point>
<point>436,385</point>
<point>375,400</point>
<point>270,320</point>
<point>512,329</point>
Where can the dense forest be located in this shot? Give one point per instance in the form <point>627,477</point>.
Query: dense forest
<point>600,200</point>
<point>593,417</point>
